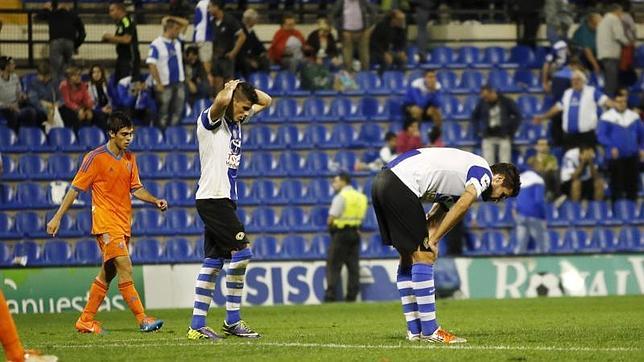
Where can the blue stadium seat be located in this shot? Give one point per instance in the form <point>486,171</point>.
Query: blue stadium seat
<point>180,222</point>
<point>67,225</point>
<point>57,252</point>
<point>639,56</point>
<point>32,167</point>
<point>339,109</point>
<point>496,243</point>
<point>261,80</point>
<point>467,56</point>
<point>31,196</point>
<point>9,141</point>
<point>565,215</point>
<point>625,211</point>
<point>148,222</point>
<point>84,222</point>
<point>630,238</point>
<point>488,215</point>
<point>61,167</point>
<point>528,105</point>
<point>178,193</point>
<point>146,251</point>
<point>346,161</point>
<point>528,133</point>
<point>180,165</point>
<point>289,137</point>
<point>394,107</point>
<point>63,139</point>
<point>5,255</point>
<point>499,79</point>
<point>264,247</point>
<point>374,248</point>
<point>7,227</point>
<point>260,137</point>
<point>8,198</point>
<point>342,136</point>
<point>368,83</point>
<point>177,138</point>
<point>263,219</point>
<point>283,110</point>
<point>447,79</point>
<point>596,213</point>
<point>440,57</point>
<point>178,251</point>
<point>293,192</point>
<point>571,242</point>
<point>313,110</point>
<point>290,164</point>
<point>370,223</point>
<point>449,106</point>
<point>319,246</point>
<point>33,139</point>
<point>316,136</point>
<point>287,84</point>
<point>319,190</point>
<point>318,218</point>
<point>29,250</point>
<point>90,138</point>
<point>263,190</point>
<point>393,81</point>
<point>153,188</point>
<point>522,55</point>
<point>496,57</point>
<point>149,139</point>
<point>470,82</point>
<point>292,219</point>
<point>317,164</point>
<point>526,81</point>
<point>259,164</point>
<point>370,135</point>
<point>604,238</point>
<point>87,252</point>
<point>150,166</point>
<point>368,109</point>
<point>293,247</point>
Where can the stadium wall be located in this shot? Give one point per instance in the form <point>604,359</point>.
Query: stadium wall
<point>40,290</point>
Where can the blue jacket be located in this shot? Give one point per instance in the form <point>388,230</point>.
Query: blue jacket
<point>531,201</point>
<point>621,130</point>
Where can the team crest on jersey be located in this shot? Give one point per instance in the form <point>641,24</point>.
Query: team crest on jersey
<point>240,236</point>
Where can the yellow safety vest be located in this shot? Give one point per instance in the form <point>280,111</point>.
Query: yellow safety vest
<point>355,208</point>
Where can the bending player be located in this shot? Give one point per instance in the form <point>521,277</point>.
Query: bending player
<point>452,179</point>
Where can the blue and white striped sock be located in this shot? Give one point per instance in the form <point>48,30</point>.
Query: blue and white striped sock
<point>235,284</point>
<point>408,299</point>
<point>422,276</point>
<point>204,289</point>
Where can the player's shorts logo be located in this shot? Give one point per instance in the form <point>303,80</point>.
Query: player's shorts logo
<point>240,236</point>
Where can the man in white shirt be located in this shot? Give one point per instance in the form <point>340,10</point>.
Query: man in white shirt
<point>451,179</point>
<point>219,135</point>
<point>580,177</point>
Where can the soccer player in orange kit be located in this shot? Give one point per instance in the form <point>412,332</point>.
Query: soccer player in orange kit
<point>112,174</point>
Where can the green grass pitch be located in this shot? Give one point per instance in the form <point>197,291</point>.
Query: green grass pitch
<point>602,329</point>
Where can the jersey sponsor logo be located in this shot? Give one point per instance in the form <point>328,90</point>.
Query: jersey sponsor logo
<point>233,161</point>
<point>240,236</point>
<point>485,181</point>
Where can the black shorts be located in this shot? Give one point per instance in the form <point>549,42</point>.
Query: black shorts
<point>223,231</point>
<point>400,214</point>
<point>223,67</point>
<point>587,189</point>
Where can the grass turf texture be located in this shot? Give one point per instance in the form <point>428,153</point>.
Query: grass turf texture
<point>604,328</point>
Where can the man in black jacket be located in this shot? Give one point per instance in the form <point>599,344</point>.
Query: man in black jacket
<point>66,34</point>
<point>253,56</point>
<point>496,118</point>
<point>388,42</point>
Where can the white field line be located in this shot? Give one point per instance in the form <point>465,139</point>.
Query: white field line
<point>401,346</point>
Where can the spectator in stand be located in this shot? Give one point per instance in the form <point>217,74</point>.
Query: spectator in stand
<point>100,96</point>
<point>580,178</point>
<point>559,81</point>
<point>78,105</point>
<point>66,34</point>
<point>323,44</point>
<point>559,18</point>
<point>314,74</point>
<point>165,61</point>
<point>546,165</point>
<point>423,7</point>
<point>229,40</point>
<point>409,138</point>
<point>422,100</point>
<point>137,98</point>
<point>196,76</point>
<point>530,213</point>
<point>128,58</point>
<point>202,34</point>
<point>621,132</point>
<point>610,40</point>
<point>43,93</point>
<point>253,56</point>
<point>585,41</point>
<point>287,46</point>
<point>386,154</point>
<point>579,106</point>
<point>13,102</point>
<point>495,119</point>
<point>389,41</point>
<point>353,19</point>
<point>528,21</point>
<point>627,75</point>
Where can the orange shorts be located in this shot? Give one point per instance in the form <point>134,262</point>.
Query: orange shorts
<point>113,245</point>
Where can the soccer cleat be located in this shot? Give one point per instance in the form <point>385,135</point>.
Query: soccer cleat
<point>442,336</point>
<point>239,329</point>
<point>89,327</point>
<point>203,333</point>
<point>35,356</point>
<point>150,324</point>
<point>413,337</point>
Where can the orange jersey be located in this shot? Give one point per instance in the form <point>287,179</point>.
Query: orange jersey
<point>112,179</point>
